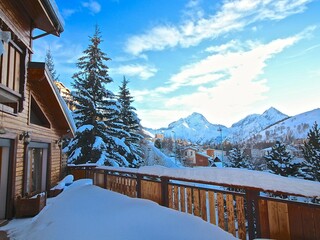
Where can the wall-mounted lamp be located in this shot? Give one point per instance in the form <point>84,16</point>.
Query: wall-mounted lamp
<point>25,136</point>
<point>2,130</point>
<point>59,142</point>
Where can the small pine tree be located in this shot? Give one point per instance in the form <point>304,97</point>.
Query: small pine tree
<point>50,64</point>
<point>237,159</point>
<point>98,138</point>
<point>131,125</point>
<point>311,152</point>
<point>279,161</point>
<point>158,144</point>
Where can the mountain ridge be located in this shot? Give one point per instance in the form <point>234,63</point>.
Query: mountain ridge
<point>197,129</point>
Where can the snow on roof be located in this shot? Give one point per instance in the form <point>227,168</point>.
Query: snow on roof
<point>234,176</point>
<point>83,211</point>
<point>203,154</point>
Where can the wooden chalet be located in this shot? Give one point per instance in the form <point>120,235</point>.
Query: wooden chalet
<point>33,116</point>
<point>192,157</point>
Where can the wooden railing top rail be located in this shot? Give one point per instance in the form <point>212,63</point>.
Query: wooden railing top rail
<point>293,187</point>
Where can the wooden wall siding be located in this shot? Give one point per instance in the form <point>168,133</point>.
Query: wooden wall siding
<point>16,20</point>
<point>278,219</point>
<point>16,124</point>
<point>286,220</point>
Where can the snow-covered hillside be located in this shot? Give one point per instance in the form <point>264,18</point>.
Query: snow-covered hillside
<point>154,156</point>
<point>194,128</point>
<point>271,125</point>
<point>255,123</point>
<point>296,127</point>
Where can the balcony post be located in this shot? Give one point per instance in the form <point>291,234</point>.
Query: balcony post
<point>253,213</point>
<point>164,191</point>
<point>139,177</point>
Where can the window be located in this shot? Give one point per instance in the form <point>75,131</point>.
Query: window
<point>11,74</point>
<point>36,170</point>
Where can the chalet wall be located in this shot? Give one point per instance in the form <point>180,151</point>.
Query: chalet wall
<point>16,124</point>
<point>17,21</point>
<point>201,160</point>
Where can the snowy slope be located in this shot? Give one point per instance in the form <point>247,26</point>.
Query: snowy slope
<point>154,156</point>
<point>296,127</point>
<point>194,128</point>
<point>255,123</point>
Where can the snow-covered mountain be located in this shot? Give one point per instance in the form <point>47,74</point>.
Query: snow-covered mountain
<point>270,125</point>
<point>194,128</point>
<point>255,123</point>
<point>296,127</point>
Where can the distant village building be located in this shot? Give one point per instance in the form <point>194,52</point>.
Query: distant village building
<point>192,157</point>
<point>65,94</point>
<point>159,136</point>
<point>202,159</point>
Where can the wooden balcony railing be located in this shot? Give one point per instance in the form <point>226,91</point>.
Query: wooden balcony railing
<point>240,210</point>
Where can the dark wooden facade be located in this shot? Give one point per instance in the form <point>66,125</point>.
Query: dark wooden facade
<point>33,117</point>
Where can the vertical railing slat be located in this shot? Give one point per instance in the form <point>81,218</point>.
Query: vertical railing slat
<point>182,199</point>
<point>203,204</point>
<point>241,217</point>
<point>176,198</point>
<point>170,196</point>
<point>189,200</point>
<point>230,213</point>
<point>212,207</point>
<point>221,222</point>
<point>196,202</point>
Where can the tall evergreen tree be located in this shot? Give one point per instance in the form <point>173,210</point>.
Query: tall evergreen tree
<point>237,159</point>
<point>131,124</point>
<point>97,112</point>
<point>279,161</point>
<point>311,152</point>
<point>50,64</point>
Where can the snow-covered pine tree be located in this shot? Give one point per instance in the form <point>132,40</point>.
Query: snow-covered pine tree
<point>311,152</point>
<point>131,124</point>
<point>237,159</point>
<point>279,161</point>
<point>97,112</point>
<point>50,64</point>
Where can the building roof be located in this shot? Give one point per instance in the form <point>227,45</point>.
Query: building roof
<point>203,154</point>
<point>45,15</point>
<point>39,74</point>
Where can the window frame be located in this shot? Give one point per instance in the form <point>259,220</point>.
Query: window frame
<point>44,168</point>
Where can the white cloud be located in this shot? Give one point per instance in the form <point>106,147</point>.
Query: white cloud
<point>231,45</point>
<point>233,81</point>
<point>157,118</point>
<point>232,16</point>
<point>93,6</point>
<point>68,12</point>
<point>157,39</point>
<point>142,71</point>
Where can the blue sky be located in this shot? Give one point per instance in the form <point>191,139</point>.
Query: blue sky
<point>223,59</point>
